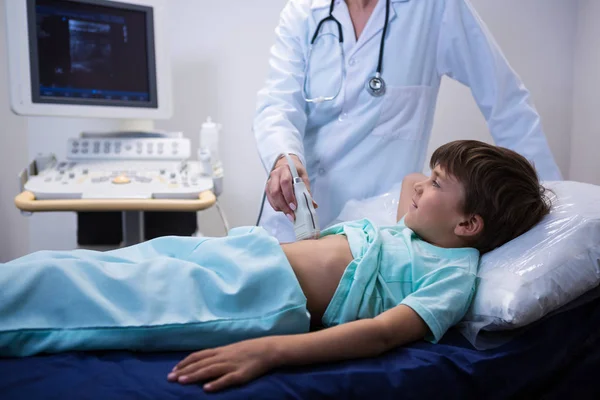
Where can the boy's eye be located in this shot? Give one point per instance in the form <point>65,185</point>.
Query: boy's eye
<point>436,184</point>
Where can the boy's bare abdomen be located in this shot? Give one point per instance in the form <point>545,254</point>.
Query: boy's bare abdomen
<point>319,266</point>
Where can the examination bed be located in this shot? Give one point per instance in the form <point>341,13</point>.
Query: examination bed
<point>557,357</point>
<point>552,352</point>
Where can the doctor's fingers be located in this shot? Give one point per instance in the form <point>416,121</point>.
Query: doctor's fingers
<point>304,175</point>
<point>275,195</point>
<point>287,189</point>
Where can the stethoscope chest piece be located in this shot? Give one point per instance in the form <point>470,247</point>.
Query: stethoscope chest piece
<point>376,85</point>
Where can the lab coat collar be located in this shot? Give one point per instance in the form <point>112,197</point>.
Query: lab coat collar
<point>375,26</point>
<point>316,4</point>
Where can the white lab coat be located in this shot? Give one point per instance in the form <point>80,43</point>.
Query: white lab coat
<point>359,146</point>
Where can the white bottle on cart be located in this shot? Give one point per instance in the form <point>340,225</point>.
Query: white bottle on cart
<point>209,138</point>
<point>209,146</point>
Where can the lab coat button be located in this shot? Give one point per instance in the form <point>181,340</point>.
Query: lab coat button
<point>352,61</point>
<point>321,171</point>
<point>342,117</point>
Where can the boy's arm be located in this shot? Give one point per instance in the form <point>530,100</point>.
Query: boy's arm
<point>406,192</point>
<point>363,338</point>
<point>244,361</point>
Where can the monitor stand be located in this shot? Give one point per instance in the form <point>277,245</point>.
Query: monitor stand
<point>137,125</point>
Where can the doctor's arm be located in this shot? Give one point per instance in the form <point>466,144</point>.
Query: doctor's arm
<point>242,362</point>
<point>468,53</point>
<point>280,118</point>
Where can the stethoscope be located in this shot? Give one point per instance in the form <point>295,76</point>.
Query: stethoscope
<point>375,85</point>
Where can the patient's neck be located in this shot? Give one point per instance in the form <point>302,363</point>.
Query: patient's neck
<point>446,241</point>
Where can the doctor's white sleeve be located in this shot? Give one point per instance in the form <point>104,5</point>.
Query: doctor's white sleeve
<point>468,53</point>
<point>280,118</point>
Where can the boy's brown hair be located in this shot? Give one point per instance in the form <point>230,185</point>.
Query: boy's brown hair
<point>500,185</point>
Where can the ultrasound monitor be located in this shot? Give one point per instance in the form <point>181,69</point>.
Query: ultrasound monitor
<point>89,58</point>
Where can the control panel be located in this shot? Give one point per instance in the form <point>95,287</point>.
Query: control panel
<point>122,166</point>
<point>115,148</point>
<point>120,180</point>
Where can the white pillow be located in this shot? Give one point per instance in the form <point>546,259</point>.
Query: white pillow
<point>380,209</point>
<point>542,270</point>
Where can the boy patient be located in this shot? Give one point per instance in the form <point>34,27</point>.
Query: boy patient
<point>237,301</point>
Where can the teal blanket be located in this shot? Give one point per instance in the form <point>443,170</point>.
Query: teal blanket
<point>170,293</point>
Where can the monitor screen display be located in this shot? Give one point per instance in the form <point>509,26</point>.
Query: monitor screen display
<point>92,52</point>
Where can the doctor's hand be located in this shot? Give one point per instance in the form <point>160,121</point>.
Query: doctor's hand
<point>280,190</point>
<point>226,366</point>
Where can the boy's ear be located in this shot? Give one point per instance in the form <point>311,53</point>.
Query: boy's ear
<point>471,226</point>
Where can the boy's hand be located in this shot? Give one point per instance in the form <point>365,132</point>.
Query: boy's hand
<point>226,366</point>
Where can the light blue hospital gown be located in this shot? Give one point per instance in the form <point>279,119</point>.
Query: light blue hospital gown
<point>391,266</point>
<point>182,293</point>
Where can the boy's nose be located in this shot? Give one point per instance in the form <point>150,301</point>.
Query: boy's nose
<point>418,187</point>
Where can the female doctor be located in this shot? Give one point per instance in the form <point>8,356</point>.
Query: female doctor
<point>351,93</point>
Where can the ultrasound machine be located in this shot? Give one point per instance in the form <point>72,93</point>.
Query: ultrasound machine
<point>106,59</point>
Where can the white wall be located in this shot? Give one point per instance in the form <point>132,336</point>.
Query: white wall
<point>585,135</point>
<point>220,62</point>
<point>13,157</point>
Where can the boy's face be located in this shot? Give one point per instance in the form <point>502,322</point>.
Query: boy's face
<point>436,208</point>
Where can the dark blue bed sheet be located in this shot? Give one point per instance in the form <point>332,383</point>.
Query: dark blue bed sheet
<point>555,359</point>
